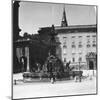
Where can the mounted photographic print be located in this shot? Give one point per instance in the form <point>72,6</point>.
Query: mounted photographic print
<point>54,49</point>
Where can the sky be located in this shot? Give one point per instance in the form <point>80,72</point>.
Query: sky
<point>34,15</point>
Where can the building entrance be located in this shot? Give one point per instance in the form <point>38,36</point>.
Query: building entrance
<point>91,65</point>
<point>91,61</point>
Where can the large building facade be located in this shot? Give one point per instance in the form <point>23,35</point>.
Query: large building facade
<point>78,45</point>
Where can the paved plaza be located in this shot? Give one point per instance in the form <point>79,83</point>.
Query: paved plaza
<point>59,88</point>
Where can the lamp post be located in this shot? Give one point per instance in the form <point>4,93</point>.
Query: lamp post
<point>79,72</point>
<point>79,65</point>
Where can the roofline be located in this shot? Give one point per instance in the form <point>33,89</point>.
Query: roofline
<point>76,26</point>
<point>72,26</point>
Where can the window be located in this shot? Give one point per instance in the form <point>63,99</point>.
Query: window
<point>64,49</point>
<point>94,41</point>
<point>80,53</point>
<point>80,44</point>
<point>64,59</point>
<point>88,36</point>
<point>64,37</point>
<point>80,36</point>
<point>94,44</point>
<point>80,59</point>
<point>94,36</point>
<point>73,59</point>
<point>73,36</point>
<point>80,41</point>
<point>88,45</point>
<point>73,45</point>
<point>64,40</point>
<point>73,53</point>
<point>88,41</point>
<point>73,42</point>
<point>64,46</point>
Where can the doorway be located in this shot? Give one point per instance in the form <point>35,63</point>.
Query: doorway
<point>91,65</point>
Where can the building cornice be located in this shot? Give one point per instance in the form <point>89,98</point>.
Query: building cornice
<point>76,29</point>
<point>71,29</point>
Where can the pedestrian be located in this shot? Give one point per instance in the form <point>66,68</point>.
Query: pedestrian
<point>52,78</point>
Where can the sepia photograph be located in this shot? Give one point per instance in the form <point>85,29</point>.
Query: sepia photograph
<point>54,49</point>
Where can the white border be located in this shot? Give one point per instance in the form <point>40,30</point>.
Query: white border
<point>5,50</point>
